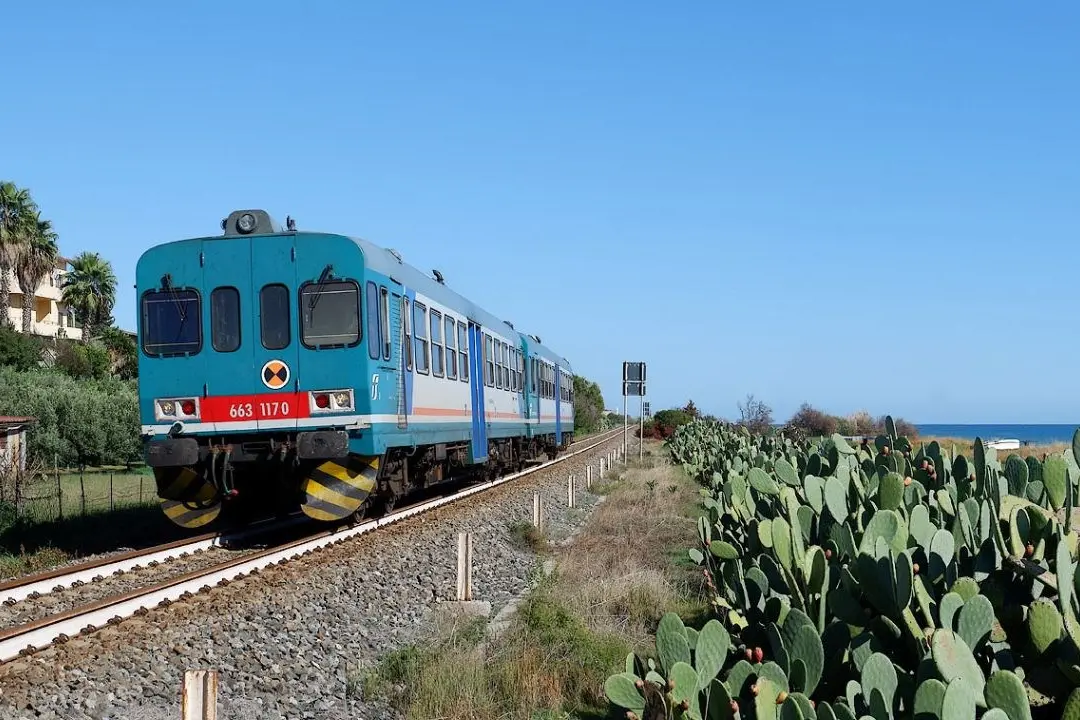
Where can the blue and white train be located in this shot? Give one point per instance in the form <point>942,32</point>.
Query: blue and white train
<point>280,368</point>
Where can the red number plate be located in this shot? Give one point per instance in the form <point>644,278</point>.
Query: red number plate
<point>238,408</point>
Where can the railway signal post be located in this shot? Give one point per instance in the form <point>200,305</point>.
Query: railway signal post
<point>645,412</point>
<point>633,384</point>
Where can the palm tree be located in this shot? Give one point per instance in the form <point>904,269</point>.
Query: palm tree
<point>90,288</point>
<point>15,206</point>
<point>35,259</point>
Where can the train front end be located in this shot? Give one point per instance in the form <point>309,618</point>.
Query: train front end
<point>248,346</point>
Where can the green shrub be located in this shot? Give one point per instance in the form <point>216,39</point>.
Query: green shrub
<point>88,422</point>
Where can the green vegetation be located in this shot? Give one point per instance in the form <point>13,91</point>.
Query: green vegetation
<point>882,581</point>
<point>79,422</point>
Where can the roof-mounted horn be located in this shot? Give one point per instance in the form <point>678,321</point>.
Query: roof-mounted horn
<point>249,222</point>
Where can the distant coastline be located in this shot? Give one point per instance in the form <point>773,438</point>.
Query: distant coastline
<point>1035,434</point>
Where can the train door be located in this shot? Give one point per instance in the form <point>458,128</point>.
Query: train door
<point>397,324</point>
<point>558,406</point>
<point>232,377</point>
<point>476,388</point>
<point>275,335</point>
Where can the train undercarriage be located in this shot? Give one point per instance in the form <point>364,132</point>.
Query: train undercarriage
<point>233,481</point>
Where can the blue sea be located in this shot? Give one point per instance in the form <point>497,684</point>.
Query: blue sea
<point>1034,434</point>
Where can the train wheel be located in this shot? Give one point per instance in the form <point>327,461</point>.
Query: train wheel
<point>186,497</point>
<point>337,488</point>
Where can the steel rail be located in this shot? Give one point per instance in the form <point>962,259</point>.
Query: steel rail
<point>49,581</point>
<point>36,635</point>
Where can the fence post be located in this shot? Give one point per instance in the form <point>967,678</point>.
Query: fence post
<point>198,699</point>
<point>82,488</point>
<point>538,512</point>
<point>112,505</point>
<point>464,567</point>
<point>588,477</point>
<point>570,491</point>
<point>59,486</point>
<point>140,488</point>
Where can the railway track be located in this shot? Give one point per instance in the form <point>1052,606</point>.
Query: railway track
<point>35,631</point>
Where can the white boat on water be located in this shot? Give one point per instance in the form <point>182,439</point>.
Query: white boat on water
<point>1005,444</point>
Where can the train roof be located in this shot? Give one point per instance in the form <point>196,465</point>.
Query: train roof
<point>390,263</point>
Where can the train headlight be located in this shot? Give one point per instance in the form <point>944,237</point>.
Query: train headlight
<point>246,223</point>
<point>176,408</point>
<point>330,401</point>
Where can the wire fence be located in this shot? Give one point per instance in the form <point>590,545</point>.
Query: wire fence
<point>45,496</point>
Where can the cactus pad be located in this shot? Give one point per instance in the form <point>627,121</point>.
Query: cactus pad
<point>1005,690</point>
<point>954,659</point>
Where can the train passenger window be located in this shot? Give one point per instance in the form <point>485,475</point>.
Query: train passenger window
<point>330,314</point>
<point>373,340</point>
<point>421,342</point>
<point>274,317</point>
<point>489,362</point>
<point>406,317</point>
<point>451,348</point>
<point>532,375</point>
<point>505,366</point>
<point>384,321</point>
<point>463,351</point>
<point>498,365</point>
<point>436,344</point>
<point>172,323</point>
<point>225,319</point>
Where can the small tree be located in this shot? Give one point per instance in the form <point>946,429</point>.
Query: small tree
<point>755,415</point>
<point>812,421</point>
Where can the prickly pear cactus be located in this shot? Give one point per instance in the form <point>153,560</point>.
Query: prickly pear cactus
<point>876,578</point>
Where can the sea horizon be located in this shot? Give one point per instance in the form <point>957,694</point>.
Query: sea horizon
<point>1035,433</point>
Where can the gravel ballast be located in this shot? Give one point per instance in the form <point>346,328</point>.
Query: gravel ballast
<point>286,640</point>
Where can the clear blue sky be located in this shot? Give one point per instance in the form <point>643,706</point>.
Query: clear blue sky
<point>859,206</point>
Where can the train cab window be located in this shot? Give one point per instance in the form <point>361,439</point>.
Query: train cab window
<point>171,322</point>
<point>451,348</point>
<point>463,351</point>
<point>225,319</point>
<point>373,339</point>
<point>420,348</point>
<point>384,321</point>
<point>330,314</point>
<point>406,318</point>
<point>274,316</point>
<point>489,362</point>
<point>437,368</point>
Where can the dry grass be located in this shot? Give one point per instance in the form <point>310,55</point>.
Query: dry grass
<point>611,585</point>
<point>966,447</point>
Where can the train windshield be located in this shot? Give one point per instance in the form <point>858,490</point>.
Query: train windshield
<point>330,313</point>
<point>170,322</point>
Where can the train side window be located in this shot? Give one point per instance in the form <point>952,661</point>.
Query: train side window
<point>172,322</point>
<point>330,314</point>
<point>489,362</point>
<point>421,343</point>
<point>506,366</point>
<point>406,318</point>
<point>532,375</point>
<point>463,350</point>
<point>384,321</point>
<point>450,338</point>
<point>225,319</point>
<point>274,317</point>
<point>372,321</point>
<point>498,365</point>
<point>515,376</point>
<point>436,343</point>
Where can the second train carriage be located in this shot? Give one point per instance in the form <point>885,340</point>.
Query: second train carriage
<point>283,368</point>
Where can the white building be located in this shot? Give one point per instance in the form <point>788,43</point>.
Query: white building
<point>51,317</point>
